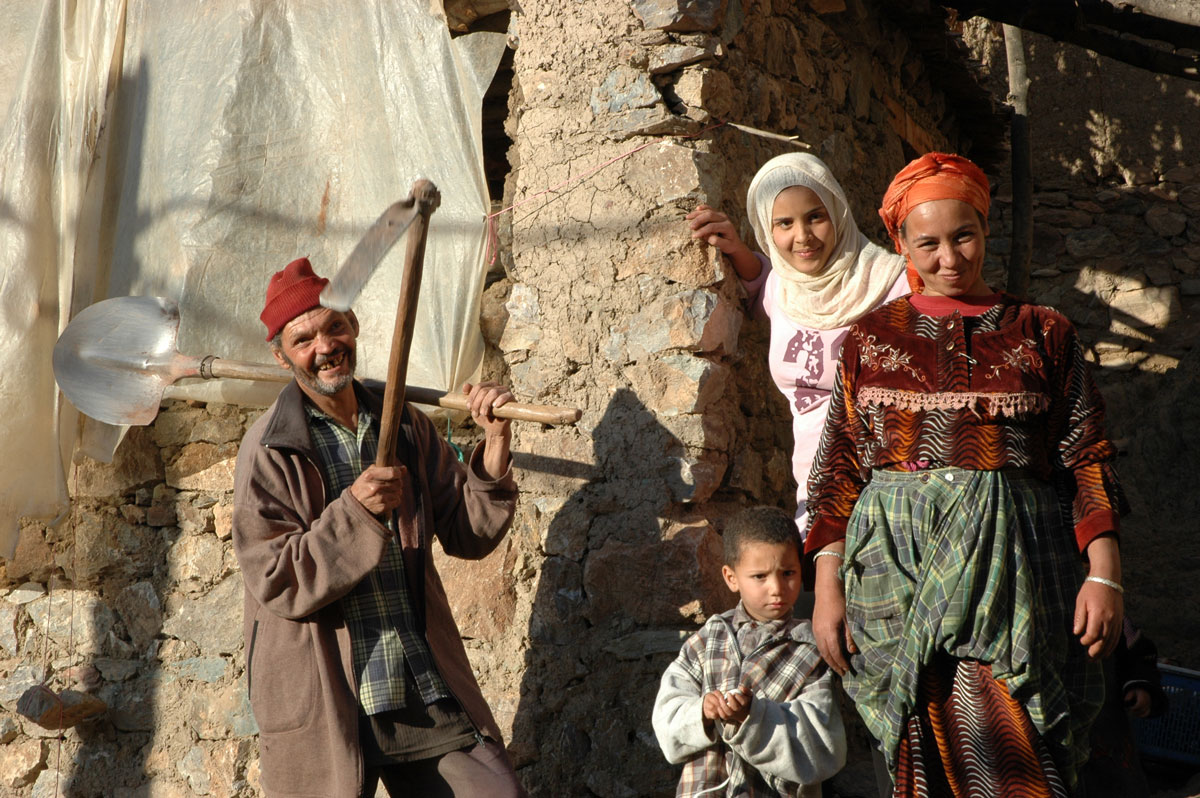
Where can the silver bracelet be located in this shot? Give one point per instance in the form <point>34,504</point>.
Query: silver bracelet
<point>1106,582</point>
<point>837,554</point>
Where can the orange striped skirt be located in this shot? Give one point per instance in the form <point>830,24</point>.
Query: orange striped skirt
<point>968,738</point>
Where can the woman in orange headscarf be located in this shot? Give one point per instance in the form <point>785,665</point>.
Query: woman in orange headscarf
<point>963,468</point>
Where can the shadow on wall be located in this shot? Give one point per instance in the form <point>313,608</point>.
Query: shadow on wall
<point>1121,263</point>
<point>625,578</point>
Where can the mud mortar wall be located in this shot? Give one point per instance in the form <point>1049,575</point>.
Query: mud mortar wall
<point>608,306</point>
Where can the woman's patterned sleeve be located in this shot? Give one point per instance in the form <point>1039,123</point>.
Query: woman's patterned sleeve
<point>836,478</point>
<point>1084,450</point>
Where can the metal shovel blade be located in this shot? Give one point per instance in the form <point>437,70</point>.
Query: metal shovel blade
<point>114,366</point>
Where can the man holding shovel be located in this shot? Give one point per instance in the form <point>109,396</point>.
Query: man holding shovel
<point>355,667</point>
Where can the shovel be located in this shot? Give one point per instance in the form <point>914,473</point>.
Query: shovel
<point>115,359</point>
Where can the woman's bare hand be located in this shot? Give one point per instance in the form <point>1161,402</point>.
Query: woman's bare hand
<point>829,617</point>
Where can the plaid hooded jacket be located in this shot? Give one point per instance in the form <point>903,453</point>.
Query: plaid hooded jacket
<point>793,738</point>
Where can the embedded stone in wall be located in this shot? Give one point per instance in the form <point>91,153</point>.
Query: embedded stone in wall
<point>25,593</point>
<point>566,530</point>
<point>195,558</point>
<point>194,770</point>
<point>52,783</point>
<point>33,560</point>
<point>667,575</point>
<point>653,121</point>
<point>680,15</point>
<point>747,473</point>
<point>8,630</point>
<point>1154,306</point>
<point>674,56</point>
<point>707,93</point>
<point>679,321</point>
<point>201,669</point>
<point>664,173</point>
<point>665,251</point>
<point>556,615</point>
<point>1091,243</point>
<point>9,729</point>
<point>1166,222</point>
<point>211,621</point>
<point>524,326</point>
<point>528,378</point>
<point>22,763</point>
<point>221,711</point>
<point>96,544</point>
<point>74,619</point>
<point>192,518</point>
<point>677,384</point>
<point>624,89</point>
<point>695,479</point>
<point>135,463</point>
<point>648,643</point>
<point>21,679</point>
<point>181,423</point>
<point>203,467</point>
<point>141,612</point>
<point>481,592</point>
<point>223,520</point>
<point>1189,197</point>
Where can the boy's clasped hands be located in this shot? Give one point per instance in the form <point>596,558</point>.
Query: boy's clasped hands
<point>732,707</point>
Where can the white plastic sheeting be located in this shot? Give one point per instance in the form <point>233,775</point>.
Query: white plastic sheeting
<point>189,149</point>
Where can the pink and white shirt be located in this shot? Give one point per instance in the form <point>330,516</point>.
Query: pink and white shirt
<point>803,363</point>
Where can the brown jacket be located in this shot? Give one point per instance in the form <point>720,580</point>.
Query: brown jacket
<point>300,553</point>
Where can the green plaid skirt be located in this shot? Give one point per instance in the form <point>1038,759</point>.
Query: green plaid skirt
<point>978,564</point>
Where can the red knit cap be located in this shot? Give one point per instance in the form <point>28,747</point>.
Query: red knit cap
<point>292,291</point>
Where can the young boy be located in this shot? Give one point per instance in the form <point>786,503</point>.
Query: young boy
<point>748,705</point>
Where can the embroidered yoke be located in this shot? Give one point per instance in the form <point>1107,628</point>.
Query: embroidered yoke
<point>1007,389</point>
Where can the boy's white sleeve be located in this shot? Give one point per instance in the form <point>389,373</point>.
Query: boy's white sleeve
<point>802,740</point>
<point>678,717</point>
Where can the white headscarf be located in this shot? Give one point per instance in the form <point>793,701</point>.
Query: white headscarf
<point>857,275</point>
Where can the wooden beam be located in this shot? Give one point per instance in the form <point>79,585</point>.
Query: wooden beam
<point>1022,164</point>
<point>1184,12</point>
<point>1062,22</point>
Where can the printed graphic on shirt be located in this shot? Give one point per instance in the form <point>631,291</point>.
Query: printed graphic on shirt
<point>806,350</point>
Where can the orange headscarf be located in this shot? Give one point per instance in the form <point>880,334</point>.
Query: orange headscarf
<point>933,176</point>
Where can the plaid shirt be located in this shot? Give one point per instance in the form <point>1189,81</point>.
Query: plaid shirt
<point>779,662</point>
<point>379,611</point>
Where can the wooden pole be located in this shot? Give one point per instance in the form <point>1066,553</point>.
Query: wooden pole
<point>427,199</point>
<point>1022,165</point>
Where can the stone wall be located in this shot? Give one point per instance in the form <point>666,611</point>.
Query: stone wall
<point>135,598</point>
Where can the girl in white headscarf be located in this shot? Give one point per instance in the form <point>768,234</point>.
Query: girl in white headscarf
<point>820,275</point>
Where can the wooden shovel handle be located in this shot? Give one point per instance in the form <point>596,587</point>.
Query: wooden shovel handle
<point>517,411</point>
<point>222,368</point>
<point>427,198</point>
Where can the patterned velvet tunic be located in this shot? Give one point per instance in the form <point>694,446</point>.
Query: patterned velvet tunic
<point>959,452</point>
<point>1006,389</point>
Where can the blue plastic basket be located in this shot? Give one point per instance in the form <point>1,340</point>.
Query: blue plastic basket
<point>1175,736</point>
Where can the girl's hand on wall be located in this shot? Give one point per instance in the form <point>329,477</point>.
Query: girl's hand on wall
<point>715,229</point>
